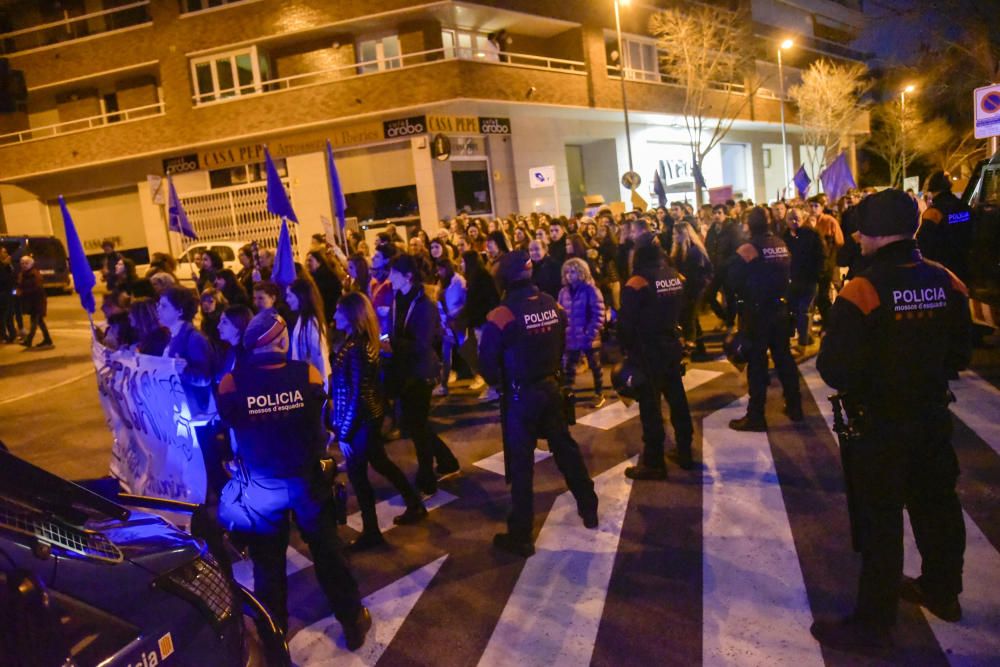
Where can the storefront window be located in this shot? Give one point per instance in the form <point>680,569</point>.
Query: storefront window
<point>244,173</point>
<point>388,203</point>
<point>471,181</point>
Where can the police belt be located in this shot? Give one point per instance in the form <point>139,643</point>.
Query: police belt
<point>516,385</point>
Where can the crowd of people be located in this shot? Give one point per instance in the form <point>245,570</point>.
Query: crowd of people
<point>375,335</point>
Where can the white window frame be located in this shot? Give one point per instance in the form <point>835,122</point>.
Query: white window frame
<point>644,70</point>
<point>382,62</point>
<point>217,94</point>
<point>480,47</point>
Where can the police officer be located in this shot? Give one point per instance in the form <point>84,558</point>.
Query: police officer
<point>897,333</point>
<point>648,331</point>
<point>520,352</point>
<point>760,276</point>
<point>275,406</point>
<point>945,233</point>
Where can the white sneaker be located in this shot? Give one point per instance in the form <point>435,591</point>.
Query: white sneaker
<point>440,390</point>
<point>477,382</point>
<point>489,395</point>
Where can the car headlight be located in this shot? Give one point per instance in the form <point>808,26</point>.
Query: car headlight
<point>202,583</point>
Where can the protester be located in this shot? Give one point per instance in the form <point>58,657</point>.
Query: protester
<point>34,302</point>
<point>229,285</point>
<point>329,285</point>
<point>481,297</point>
<point>451,303</point>
<point>545,273</point>
<point>232,325</point>
<point>832,237</point>
<point>691,259</point>
<point>212,303</point>
<point>266,296</point>
<point>806,249</point>
<point>308,339</point>
<point>108,263</point>
<point>118,332</point>
<point>721,242</point>
<point>176,309</point>
<point>356,417</point>
<point>359,277</point>
<point>584,308</point>
<point>148,335</point>
<point>8,284</point>
<point>381,288</point>
<point>414,369</point>
<point>211,264</point>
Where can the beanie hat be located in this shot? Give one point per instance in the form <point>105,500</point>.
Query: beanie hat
<point>888,213</point>
<point>514,266</point>
<point>266,330</point>
<point>939,181</point>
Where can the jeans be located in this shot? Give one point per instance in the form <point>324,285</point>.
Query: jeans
<point>37,322</point>
<point>367,449</point>
<point>800,300</point>
<point>415,404</point>
<point>571,360</point>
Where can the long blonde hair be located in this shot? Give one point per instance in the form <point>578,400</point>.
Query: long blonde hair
<point>361,318</point>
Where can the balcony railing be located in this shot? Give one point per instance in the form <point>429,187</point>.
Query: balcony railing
<point>403,61</point>
<point>75,27</point>
<point>661,79</point>
<point>82,124</point>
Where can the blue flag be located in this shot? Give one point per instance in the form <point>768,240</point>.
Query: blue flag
<point>277,198</point>
<point>336,193</point>
<point>699,179</point>
<point>661,193</point>
<point>837,178</point>
<point>83,276</point>
<point>178,219</point>
<point>802,181</point>
<point>284,263</point>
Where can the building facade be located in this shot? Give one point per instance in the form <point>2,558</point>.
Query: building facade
<point>118,94</point>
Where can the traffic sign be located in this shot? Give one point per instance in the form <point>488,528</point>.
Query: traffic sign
<point>542,177</point>
<point>987,111</point>
<point>631,180</point>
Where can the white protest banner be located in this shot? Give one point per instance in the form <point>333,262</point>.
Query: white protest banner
<point>155,451</point>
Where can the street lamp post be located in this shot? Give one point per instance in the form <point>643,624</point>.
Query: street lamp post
<point>621,68</point>
<point>902,128</point>
<point>787,44</point>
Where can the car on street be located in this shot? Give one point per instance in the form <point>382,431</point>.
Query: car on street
<point>50,258</point>
<point>188,266</point>
<point>85,580</point>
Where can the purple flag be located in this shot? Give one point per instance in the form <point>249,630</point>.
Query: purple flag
<point>83,277</point>
<point>175,213</point>
<point>658,189</point>
<point>837,178</point>
<point>284,262</point>
<point>277,198</point>
<point>336,193</point>
<point>802,181</point>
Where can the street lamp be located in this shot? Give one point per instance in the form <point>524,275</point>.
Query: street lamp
<point>621,69</point>
<point>902,127</point>
<point>787,44</point>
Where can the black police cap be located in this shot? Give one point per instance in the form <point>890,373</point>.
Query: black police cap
<point>514,266</point>
<point>888,213</point>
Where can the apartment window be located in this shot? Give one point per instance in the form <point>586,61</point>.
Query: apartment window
<point>223,75</point>
<point>469,45</point>
<point>243,174</point>
<point>641,59</point>
<point>377,54</point>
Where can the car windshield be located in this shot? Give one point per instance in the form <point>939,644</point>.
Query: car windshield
<point>47,249</point>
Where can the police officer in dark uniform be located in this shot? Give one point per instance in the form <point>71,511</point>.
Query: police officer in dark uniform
<point>648,331</point>
<point>520,352</point>
<point>275,407</point>
<point>945,233</point>
<point>760,276</point>
<point>897,333</point>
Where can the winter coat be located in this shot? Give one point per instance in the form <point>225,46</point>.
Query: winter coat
<point>31,291</point>
<point>584,308</point>
<point>547,276</point>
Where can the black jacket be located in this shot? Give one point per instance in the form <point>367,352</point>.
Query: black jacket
<point>945,233</point>
<point>356,398</point>
<point>897,333</point>
<point>808,255</point>
<point>547,276</point>
<point>760,273</point>
<point>647,322</point>
<point>414,332</point>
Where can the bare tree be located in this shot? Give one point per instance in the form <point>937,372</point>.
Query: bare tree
<point>708,51</point>
<point>829,104</point>
<point>960,154</point>
<point>897,136</point>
